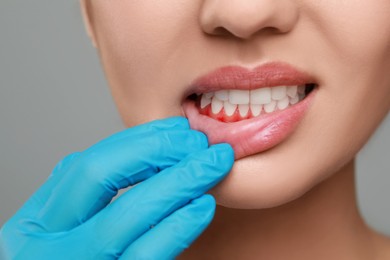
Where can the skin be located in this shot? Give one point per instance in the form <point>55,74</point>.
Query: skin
<point>300,194</point>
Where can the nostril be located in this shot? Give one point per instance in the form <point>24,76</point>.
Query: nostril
<point>222,31</point>
<point>237,20</point>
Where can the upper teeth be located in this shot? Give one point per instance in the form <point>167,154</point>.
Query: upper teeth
<point>268,99</point>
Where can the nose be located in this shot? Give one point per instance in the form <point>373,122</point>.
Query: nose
<point>244,18</point>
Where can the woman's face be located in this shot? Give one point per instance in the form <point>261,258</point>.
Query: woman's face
<point>152,51</point>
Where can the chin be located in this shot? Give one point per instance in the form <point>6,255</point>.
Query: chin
<point>277,177</point>
<point>247,187</point>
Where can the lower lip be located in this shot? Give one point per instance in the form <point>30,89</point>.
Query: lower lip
<point>253,135</point>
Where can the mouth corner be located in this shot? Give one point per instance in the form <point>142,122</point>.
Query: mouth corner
<point>309,87</point>
<point>192,97</point>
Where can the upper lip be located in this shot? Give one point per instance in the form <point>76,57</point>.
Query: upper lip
<point>236,77</point>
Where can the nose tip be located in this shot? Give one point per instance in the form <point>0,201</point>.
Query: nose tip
<point>243,19</point>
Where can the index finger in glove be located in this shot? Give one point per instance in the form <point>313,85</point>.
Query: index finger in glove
<point>122,222</point>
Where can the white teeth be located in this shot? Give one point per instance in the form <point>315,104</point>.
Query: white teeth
<point>239,97</point>
<point>256,109</point>
<point>269,99</point>
<point>229,108</point>
<point>209,94</point>
<point>243,109</point>
<point>222,95</point>
<point>216,105</point>
<point>270,107</point>
<point>301,89</point>
<point>261,96</point>
<point>278,93</point>
<point>204,101</point>
<point>301,92</point>
<point>294,100</point>
<point>292,91</point>
<point>282,104</point>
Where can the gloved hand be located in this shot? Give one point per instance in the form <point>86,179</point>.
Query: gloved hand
<point>71,217</point>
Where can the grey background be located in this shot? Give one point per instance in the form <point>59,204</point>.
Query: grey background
<point>54,100</point>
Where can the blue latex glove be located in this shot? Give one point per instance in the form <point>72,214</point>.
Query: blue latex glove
<point>71,217</point>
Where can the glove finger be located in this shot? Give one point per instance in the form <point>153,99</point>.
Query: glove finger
<point>99,172</point>
<point>131,215</point>
<point>174,233</point>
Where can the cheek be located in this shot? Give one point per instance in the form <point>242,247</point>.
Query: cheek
<point>140,45</point>
<point>357,28</point>
<point>352,35</point>
<point>355,37</point>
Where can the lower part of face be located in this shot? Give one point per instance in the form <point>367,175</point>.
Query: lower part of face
<point>151,51</point>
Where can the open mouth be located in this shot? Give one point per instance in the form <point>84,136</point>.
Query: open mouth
<point>236,105</point>
<point>252,110</point>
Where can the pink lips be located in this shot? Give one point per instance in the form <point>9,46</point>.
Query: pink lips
<point>257,134</point>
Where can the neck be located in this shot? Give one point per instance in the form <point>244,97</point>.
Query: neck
<point>323,224</point>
